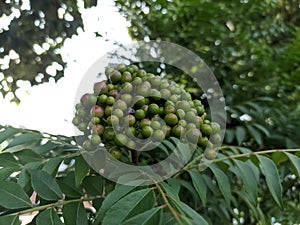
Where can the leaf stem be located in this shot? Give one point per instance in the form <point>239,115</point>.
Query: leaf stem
<point>52,205</point>
<point>189,166</point>
<point>173,211</point>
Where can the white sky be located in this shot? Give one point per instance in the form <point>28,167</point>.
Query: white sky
<point>49,107</point>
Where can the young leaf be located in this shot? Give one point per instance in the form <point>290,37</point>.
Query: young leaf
<point>10,220</point>
<point>199,184</point>
<point>295,163</point>
<point>114,196</point>
<point>223,182</point>
<point>149,217</point>
<point>48,217</point>
<point>81,170</point>
<point>247,175</point>
<point>270,171</point>
<point>45,185</point>
<point>75,214</point>
<point>12,196</point>
<point>129,206</point>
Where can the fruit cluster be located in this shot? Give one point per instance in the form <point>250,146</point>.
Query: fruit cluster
<point>140,105</point>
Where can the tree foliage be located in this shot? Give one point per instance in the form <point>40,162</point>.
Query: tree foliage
<point>32,40</point>
<point>252,48</point>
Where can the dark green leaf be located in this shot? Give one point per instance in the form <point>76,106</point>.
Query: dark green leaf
<point>114,196</point>
<point>75,214</point>
<point>149,217</point>
<point>48,217</point>
<point>255,134</point>
<point>8,160</point>
<point>7,171</point>
<point>81,170</point>
<point>199,184</point>
<point>68,187</point>
<point>26,156</point>
<point>129,206</point>
<point>12,196</point>
<point>270,171</point>
<point>93,185</point>
<point>295,161</point>
<point>240,134</point>
<point>7,133</point>
<point>24,178</point>
<point>223,182</point>
<point>52,165</point>
<point>194,217</point>
<point>45,185</point>
<point>247,175</point>
<point>23,139</point>
<point>10,220</point>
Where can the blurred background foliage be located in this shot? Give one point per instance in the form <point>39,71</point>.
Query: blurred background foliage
<point>252,47</point>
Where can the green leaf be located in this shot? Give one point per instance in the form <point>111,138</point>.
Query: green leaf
<point>247,175</point>
<point>24,178</point>
<point>75,214</point>
<point>93,185</point>
<point>255,134</point>
<point>8,160</point>
<point>81,170</point>
<point>7,171</point>
<point>52,165</point>
<point>114,196</point>
<point>10,220</point>
<point>45,185</point>
<point>240,134</point>
<point>251,206</point>
<point>7,133</point>
<point>12,196</point>
<point>194,217</point>
<point>27,155</point>
<point>149,217</point>
<point>270,171</point>
<point>68,187</point>
<point>199,184</point>
<point>295,161</point>
<point>48,217</point>
<point>223,182</point>
<point>129,206</point>
<point>23,139</point>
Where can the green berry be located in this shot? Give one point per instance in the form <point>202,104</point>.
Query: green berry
<point>171,119</point>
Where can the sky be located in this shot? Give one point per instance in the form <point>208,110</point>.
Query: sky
<point>49,107</point>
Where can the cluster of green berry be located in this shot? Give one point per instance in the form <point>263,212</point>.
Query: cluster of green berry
<point>140,105</point>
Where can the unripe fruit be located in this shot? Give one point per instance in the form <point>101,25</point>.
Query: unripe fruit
<point>110,87</point>
<point>115,76</point>
<point>206,129</point>
<point>87,145</point>
<point>76,120</point>
<point>108,110</point>
<point>182,123</point>
<point>81,113</point>
<point>171,119</point>
<point>169,109</point>
<point>95,120</point>
<point>116,153</point>
<point>112,120</point>
<point>120,140</point>
<point>155,95</point>
<point>193,135</point>
<point>95,139</point>
<point>216,139</point>
<point>180,113</point>
<point>167,130</point>
<point>109,134</point>
<point>147,131</point>
<point>210,153</point>
<point>127,98</point>
<point>197,102</point>
<point>145,122</point>
<point>114,93</point>
<point>185,105</point>
<point>91,100</point>
<point>110,100</point>
<point>139,114</point>
<point>165,93</point>
<point>178,130</point>
<point>107,71</point>
<point>130,132</point>
<point>102,98</point>
<point>100,88</point>
<point>97,111</point>
<point>143,90</point>
<point>215,127</point>
<point>82,126</point>
<point>98,129</point>
<point>200,110</point>
<point>156,80</point>
<point>190,117</point>
<point>121,67</point>
<point>155,125</point>
<point>131,144</point>
<point>120,104</point>
<point>127,87</point>
<point>130,120</point>
<point>118,113</point>
<point>153,109</point>
<point>126,77</point>
<point>158,135</point>
<point>203,141</point>
<point>84,98</point>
